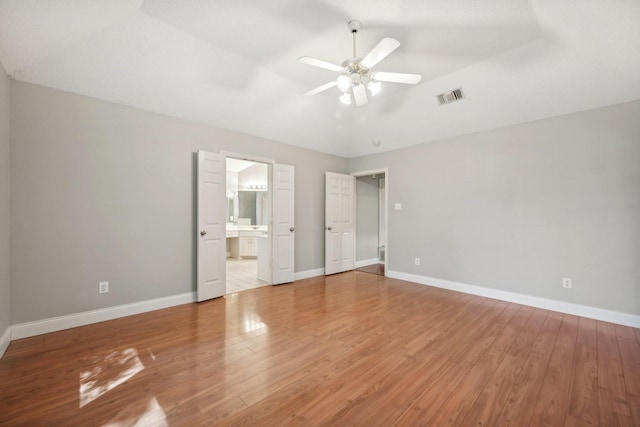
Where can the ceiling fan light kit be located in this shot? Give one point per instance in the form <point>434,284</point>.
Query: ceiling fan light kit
<point>356,77</point>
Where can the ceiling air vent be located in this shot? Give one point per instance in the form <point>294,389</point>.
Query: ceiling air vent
<point>451,96</point>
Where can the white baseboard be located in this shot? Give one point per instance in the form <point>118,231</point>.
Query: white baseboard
<point>366,262</point>
<point>299,275</point>
<point>533,301</point>
<point>5,339</point>
<point>29,329</point>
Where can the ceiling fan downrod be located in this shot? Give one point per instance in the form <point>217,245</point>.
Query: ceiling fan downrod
<point>354,26</point>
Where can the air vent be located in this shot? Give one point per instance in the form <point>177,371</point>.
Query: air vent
<point>451,96</point>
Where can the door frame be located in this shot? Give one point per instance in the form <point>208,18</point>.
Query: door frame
<point>270,166</point>
<point>384,171</point>
<point>382,211</point>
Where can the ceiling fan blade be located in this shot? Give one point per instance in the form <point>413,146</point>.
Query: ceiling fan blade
<point>321,88</point>
<point>378,53</point>
<point>360,95</point>
<point>319,63</point>
<point>409,79</point>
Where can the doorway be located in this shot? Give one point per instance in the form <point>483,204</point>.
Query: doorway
<point>217,222</point>
<point>248,216</point>
<point>371,221</point>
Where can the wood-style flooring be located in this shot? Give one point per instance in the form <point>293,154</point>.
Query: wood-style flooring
<point>348,349</point>
<point>373,268</point>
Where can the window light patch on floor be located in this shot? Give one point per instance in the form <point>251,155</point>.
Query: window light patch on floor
<point>152,415</point>
<point>107,373</point>
<point>253,323</point>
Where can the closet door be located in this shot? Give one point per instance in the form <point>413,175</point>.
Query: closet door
<point>211,281</point>
<point>339,239</point>
<point>283,224</point>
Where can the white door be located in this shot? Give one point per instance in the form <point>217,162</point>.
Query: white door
<point>283,224</point>
<point>339,240</point>
<point>211,282</point>
<point>382,214</point>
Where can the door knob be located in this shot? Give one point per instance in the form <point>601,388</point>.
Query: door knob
<point>329,228</point>
<point>291,229</point>
<point>203,232</point>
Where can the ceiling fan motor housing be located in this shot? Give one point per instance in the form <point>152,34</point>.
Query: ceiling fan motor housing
<point>354,25</point>
<point>354,74</point>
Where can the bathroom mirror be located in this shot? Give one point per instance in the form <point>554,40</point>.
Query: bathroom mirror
<point>249,204</point>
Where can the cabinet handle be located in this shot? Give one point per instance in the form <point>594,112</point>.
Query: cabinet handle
<point>203,232</point>
<point>329,228</point>
<point>291,229</point>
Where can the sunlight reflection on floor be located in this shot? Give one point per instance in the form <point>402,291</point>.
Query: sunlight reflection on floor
<point>94,382</point>
<point>153,415</point>
<point>253,323</point>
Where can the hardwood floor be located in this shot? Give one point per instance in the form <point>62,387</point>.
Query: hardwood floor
<point>348,349</point>
<point>373,268</point>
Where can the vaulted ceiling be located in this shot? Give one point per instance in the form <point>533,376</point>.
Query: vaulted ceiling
<point>233,64</point>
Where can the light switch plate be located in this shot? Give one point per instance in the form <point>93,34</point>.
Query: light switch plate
<point>103,287</point>
<point>397,206</point>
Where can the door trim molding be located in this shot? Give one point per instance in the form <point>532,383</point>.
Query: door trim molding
<point>247,157</point>
<point>5,340</point>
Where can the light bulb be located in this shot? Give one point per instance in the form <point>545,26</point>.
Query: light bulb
<point>344,83</point>
<point>345,98</point>
<point>374,87</point>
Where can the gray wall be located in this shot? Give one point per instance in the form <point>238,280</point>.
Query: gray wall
<point>102,191</point>
<point>367,217</point>
<point>520,208</point>
<point>5,295</point>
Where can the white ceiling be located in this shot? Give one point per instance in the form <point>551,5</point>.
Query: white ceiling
<point>234,64</point>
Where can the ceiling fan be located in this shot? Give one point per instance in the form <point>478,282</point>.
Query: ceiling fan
<point>356,74</point>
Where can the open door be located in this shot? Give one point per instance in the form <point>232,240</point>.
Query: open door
<point>283,225</point>
<point>339,240</point>
<point>382,220</point>
<point>211,281</point>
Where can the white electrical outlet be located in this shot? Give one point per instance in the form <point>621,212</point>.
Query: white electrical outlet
<point>567,283</point>
<point>417,261</point>
<point>103,288</point>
